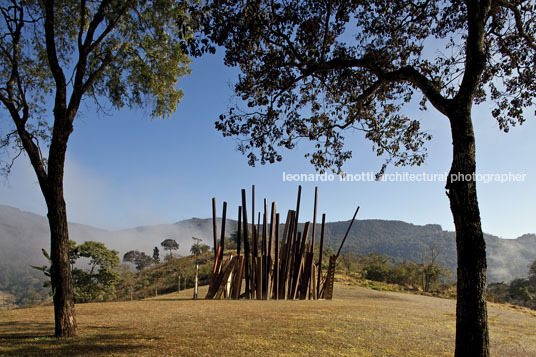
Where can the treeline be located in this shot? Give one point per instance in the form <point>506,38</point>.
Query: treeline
<point>105,279</point>
<point>520,291</point>
<point>427,276</point>
<point>24,286</point>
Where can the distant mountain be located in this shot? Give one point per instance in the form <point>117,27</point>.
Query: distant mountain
<point>507,258</point>
<point>23,234</point>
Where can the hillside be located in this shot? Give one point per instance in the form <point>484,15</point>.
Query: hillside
<point>23,234</point>
<point>358,322</point>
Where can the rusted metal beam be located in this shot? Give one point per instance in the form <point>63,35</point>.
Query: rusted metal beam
<point>270,253</point>
<point>320,255</point>
<point>276,274</point>
<point>214,226</point>
<point>223,219</point>
<point>347,231</point>
<point>238,238</point>
<point>246,242</point>
<point>287,245</point>
<point>311,276</point>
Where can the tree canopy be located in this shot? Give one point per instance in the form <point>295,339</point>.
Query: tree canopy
<point>169,245</point>
<point>317,69</point>
<point>98,283</point>
<point>140,259</point>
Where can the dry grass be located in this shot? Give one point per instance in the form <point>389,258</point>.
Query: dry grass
<point>358,322</point>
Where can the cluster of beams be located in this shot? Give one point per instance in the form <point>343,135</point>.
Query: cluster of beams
<point>275,264</point>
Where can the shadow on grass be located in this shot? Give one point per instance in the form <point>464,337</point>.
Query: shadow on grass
<point>31,339</point>
<point>174,299</point>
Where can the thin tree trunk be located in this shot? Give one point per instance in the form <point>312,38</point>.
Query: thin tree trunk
<point>472,337</point>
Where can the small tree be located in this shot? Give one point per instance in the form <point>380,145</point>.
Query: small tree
<point>99,282</point>
<point>156,255</point>
<point>170,245</point>
<point>198,248</point>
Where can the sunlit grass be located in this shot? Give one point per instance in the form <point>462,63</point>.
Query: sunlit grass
<point>358,322</point>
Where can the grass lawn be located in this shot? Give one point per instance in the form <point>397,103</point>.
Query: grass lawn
<point>358,322</point>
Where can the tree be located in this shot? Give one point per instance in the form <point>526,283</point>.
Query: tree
<point>313,69</point>
<point>140,259</point>
<point>56,54</point>
<point>156,255</point>
<point>532,273</point>
<point>96,284</point>
<point>431,271</point>
<point>99,282</point>
<point>376,267</point>
<point>198,248</point>
<point>170,245</point>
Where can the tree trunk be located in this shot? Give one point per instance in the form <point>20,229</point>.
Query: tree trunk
<point>62,283</point>
<point>472,338</point>
<point>65,322</point>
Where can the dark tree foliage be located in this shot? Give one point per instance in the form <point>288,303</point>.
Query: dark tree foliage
<point>169,245</point>
<point>156,255</point>
<point>317,70</point>
<point>199,248</point>
<point>140,259</point>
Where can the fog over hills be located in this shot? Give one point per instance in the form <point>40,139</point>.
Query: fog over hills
<point>23,234</point>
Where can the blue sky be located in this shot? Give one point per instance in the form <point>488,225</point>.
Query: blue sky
<point>127,170</point>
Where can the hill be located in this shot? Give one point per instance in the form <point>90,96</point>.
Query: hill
<point>23,234</point>
<point>358,322</point>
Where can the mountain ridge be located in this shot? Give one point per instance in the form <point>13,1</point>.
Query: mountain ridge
<point>23,234</point>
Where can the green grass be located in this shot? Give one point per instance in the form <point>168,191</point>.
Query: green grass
<point>358,322</point>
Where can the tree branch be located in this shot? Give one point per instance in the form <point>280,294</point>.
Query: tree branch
<point>519,23</point>
<point>404,74</point>
<point>57,72</point>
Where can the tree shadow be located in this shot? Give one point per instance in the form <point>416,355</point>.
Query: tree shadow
<point>30,339</point>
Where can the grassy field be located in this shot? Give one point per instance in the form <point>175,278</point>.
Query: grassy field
<point>358,322</point>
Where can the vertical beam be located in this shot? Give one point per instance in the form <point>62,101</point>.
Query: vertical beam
<point>270,253</point>
<point>258,260</point>
<point>300,260</point>
<point>297,212</point>
<point>320,255</point>
<point>252,205</point>
<point>293,264</point>
<point>312,293</point>
<point>287,244</point>
<point>314,219</point>
<point>239,231</point>
<point>238,285</point>
<point>246,243</point>
<point>276,275</point>
<point>254,239</point>
<point>223,219</point>
<point>265,249</point>
<point>214,226</point>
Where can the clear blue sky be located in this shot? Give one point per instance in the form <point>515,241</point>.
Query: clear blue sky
<point>127,170</point>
